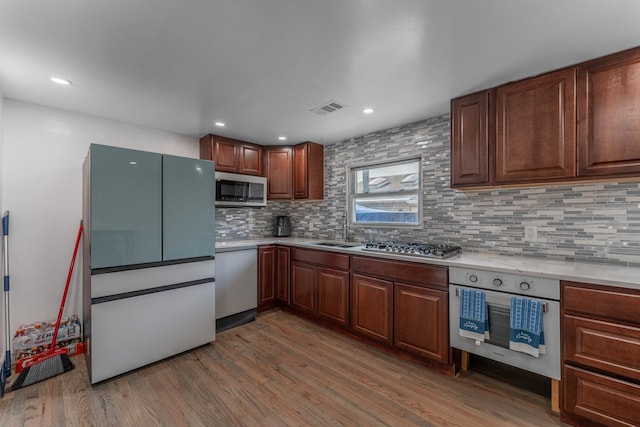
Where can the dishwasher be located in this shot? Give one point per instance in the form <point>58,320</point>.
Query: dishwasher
<point>236,287</point>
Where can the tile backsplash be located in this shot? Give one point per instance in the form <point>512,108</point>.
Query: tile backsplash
<point>597,222</point>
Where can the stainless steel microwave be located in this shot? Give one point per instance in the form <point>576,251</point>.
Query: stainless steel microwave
<point>233,189</point>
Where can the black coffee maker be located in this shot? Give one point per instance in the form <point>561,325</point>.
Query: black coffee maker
<point>281,226</point>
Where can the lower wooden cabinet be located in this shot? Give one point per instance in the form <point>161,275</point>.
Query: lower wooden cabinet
<point>273,276</point>
<point>601,398</point>
<point>320,284</point>
<point>283,274</point>
<point>404,304</point>
<point>601,354</point>
<point>372,307</point>
<point>303,287</point>
<point>400,304</point>
<point>333,295</point>
<point>419,316</point>
<point>266,275</point>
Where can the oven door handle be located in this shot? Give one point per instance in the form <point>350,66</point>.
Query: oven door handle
<point>545,306</point>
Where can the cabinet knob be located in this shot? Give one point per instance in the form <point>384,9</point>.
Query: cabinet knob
<point>525,286</point>
<point>473,278</point>
<point>497,282</point>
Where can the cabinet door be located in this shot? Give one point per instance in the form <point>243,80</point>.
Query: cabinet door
<point>609,115</point>
<point>333,295</point>
<point>308,167</point>
<point>188,208</point>
<point>303,287</point>
<point>536,137</point>
<point>226,155</point>
<point>300,175</point>
<point>421,321</point>
<point>279,164</point>
<point>126,206</point>
<point>471,134</point>
<point>267,274</point>
<point>250,159</point>
<point>283,264</point>
<point>372,307</point>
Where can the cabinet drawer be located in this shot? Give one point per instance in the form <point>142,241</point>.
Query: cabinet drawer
<point>602,345</point>
<point>609,302</point>
<point>133,332</point>
<point>599,398</point>
<point>329,259</point>
<point>401,271</point>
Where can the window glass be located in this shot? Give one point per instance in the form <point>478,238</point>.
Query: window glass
<point>385,179</point>
<point>387,193</point>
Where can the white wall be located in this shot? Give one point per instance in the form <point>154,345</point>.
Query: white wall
<point>43,151</point>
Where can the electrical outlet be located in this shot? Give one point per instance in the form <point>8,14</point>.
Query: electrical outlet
<point>530,233</point>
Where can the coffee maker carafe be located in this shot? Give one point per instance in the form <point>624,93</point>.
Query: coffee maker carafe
<point>281,226</point>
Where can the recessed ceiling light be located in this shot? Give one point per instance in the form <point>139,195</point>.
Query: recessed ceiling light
<point>61,81</point>
<point>220,124</point>
<point>368,110</point>
<point>133,163</point>
<point>282,138</point>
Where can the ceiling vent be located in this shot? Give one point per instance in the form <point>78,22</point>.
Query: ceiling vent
<point>328,107</point>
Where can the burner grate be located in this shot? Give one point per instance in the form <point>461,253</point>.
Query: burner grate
<point>429,250</point>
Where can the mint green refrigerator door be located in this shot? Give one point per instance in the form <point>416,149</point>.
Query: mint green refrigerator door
<point>188,226</point>
<point>126,207</point>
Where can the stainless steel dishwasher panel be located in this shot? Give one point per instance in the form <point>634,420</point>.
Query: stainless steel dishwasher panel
<point>236,281</point>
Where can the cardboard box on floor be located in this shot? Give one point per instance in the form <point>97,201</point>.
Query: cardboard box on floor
<point>34,338</point>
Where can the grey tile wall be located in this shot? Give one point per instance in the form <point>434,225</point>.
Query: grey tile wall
<point>597,222</point>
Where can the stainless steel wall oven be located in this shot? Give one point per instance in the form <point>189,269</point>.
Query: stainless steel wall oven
<point>499,288</point>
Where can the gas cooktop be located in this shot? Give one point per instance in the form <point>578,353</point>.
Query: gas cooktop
<point>427,250</point>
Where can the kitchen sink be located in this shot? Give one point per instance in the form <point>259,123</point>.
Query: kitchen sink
<point>335,244</point>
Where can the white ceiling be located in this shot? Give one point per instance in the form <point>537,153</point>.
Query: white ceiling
<point>261,65</point>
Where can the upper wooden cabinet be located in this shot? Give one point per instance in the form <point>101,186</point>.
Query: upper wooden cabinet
<point>609,115</point>
<point>308,171</point>
<point>536,136</point>
<point>295,172</point>
<point>580,122</point>
<point>279,167</point>
<point>471,135</point>
<point>232,155</point>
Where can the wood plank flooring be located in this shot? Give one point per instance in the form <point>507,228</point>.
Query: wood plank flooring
<point>277,371</point>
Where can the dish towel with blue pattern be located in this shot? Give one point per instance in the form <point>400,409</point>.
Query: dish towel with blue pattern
<point>526,329</point>
<point>474,320</point>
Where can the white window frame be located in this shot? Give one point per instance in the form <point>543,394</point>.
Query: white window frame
<point>351,193</point>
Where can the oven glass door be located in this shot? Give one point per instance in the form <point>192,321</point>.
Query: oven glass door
<point>498,325</point>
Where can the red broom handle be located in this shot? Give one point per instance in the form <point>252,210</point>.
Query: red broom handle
<point>66,289</point>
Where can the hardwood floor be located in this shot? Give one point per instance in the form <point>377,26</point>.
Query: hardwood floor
<point>278,370</point>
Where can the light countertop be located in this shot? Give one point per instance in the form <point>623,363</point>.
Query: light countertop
<point>596,273</point>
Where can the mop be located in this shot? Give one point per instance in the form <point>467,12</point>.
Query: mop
<point>6,368</point>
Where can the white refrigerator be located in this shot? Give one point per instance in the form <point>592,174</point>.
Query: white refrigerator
<point>148,258</point>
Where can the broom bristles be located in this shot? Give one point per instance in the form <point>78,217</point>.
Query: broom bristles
<point>44,369</point>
